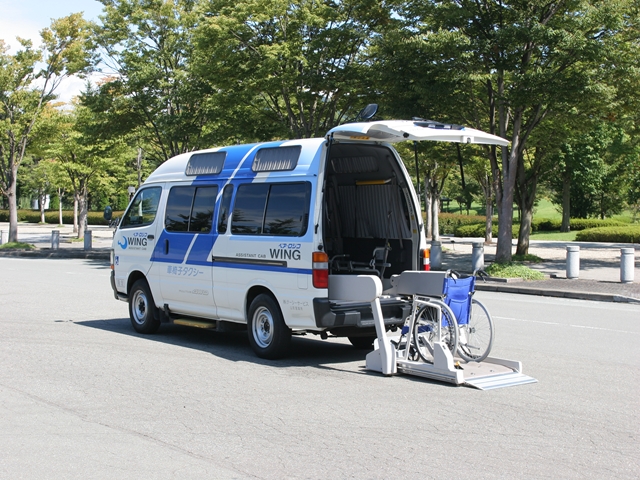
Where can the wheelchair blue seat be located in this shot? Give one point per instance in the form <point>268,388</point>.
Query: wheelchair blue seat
<point>457,295</point>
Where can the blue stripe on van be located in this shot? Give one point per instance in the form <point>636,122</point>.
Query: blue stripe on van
<point>178,245</point>
<point>199,254</point>
<point>264,268</point>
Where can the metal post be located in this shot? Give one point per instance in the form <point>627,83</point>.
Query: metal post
<point>573,261</point>
<point>55,239</point>
<point>436,255</point>
<point>627,264</point>
<point>1,237</point>
<point>87,239</point>
<point>477,257</point>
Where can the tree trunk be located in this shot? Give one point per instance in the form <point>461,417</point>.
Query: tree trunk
<point>60,206</point>
<point>82,213</point>
<point>427,208</point>
<point>435,201</point>
<point>488,234</point>
<point>13,208</point>
<point>75,212</point>
<point>566,201</point>
<point>41,201</point>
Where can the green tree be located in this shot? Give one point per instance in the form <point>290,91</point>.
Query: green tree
<point>288,69</point>
<point>508,66</point>
<point>89,162</point>
<point>151,92</point>
<point>28,80</point>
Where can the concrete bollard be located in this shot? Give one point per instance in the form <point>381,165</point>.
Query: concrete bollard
<point>55,239</point>
<point>477,257</point>
<point>87,239</point>
<point>627,264</point>
<point>573,262</point>
<point>436,255</point>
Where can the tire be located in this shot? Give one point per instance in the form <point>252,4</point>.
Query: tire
<point>142,309</point>
<point>269,336</point>
<point>425,331</point>
<point>476,337</point>
<point>362,343</point>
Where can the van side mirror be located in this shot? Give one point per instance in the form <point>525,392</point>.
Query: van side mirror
<point>108,213</point>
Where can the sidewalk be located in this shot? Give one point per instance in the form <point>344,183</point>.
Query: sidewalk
<point>599,277</point>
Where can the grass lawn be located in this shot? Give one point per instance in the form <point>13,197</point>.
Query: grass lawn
<point>559,236</point>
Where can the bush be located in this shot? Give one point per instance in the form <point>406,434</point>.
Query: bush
<point>478,230</point>
<point>52,217</point>
<point>584,223</point>
<point>545,225</point>
<point>624,234</point>
<point>448,222</point>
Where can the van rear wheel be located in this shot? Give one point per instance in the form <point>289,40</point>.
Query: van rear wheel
<point>142,309</point>
<point>269,336</point>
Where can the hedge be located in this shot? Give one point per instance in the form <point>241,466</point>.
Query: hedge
<point>448,222</point>
<point>33,216</point>
<point>578,224</point>
<point>626,234</point>
<point>478,230</point>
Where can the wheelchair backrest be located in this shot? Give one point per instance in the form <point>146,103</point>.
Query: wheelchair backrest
<point>457,295</point>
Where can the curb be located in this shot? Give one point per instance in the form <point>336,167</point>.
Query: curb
<point>104,254</point>
<point>598,297</point>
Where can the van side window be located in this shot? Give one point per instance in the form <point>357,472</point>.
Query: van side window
<point>190,209</point>
<point>271,209</point>
<point>223,214</point>
<point>287,209</point>
<point>248,211</point>
<point>143,208</point>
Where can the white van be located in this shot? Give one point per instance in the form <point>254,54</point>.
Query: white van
<point>252,235</point>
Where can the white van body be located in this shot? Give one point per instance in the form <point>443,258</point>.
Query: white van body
<point>253,234</point>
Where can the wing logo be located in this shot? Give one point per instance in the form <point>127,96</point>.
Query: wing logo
<point>125,244</point>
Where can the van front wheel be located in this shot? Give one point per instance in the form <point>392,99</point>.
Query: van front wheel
<point>142,309</point>
<point>268,335</point>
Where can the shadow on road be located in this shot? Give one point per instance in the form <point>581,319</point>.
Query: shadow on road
<point>306,351</point>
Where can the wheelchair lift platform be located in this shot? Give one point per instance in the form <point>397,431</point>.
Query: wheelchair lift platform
<point>489,374</point>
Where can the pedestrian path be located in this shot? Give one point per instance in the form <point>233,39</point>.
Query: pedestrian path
<point>599,274</point>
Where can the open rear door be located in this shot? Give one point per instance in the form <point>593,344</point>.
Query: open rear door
<point>393,131</point>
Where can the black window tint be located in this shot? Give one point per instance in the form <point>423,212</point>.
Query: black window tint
<point>202,212</point>
<point>179,209</point>
<point>143,208</point>
<point>287,209</point>
<point>248,211</point>
<point>223,215</point>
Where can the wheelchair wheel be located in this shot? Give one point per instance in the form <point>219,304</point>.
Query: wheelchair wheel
<point>476,337</point>
<point>425,331</point>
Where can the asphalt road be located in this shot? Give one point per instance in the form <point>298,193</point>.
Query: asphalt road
<point>83,396</point>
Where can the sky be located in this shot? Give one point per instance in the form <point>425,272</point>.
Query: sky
<point>25,18</point>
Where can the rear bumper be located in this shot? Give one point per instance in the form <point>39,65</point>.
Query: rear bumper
<point>331,316</point>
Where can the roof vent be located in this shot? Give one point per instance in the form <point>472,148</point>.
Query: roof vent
<point>276,159</point>
<point>208,163</point>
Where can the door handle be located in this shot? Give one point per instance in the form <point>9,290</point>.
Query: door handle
<point>150,237</point>
<point>166,247</point>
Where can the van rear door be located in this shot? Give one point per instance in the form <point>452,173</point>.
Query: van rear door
<point>393,131</point>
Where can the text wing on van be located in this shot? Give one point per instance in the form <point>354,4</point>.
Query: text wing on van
<point>393,131</point>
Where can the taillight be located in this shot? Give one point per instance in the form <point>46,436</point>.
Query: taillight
<point>320,270</point>
<point>111,258</point>
<point>426,261</point>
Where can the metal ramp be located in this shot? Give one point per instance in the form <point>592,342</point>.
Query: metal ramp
<point>489,374</point>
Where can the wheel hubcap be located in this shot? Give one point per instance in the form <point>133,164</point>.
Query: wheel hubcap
<point>263,327</point>
<point>139,307</point>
